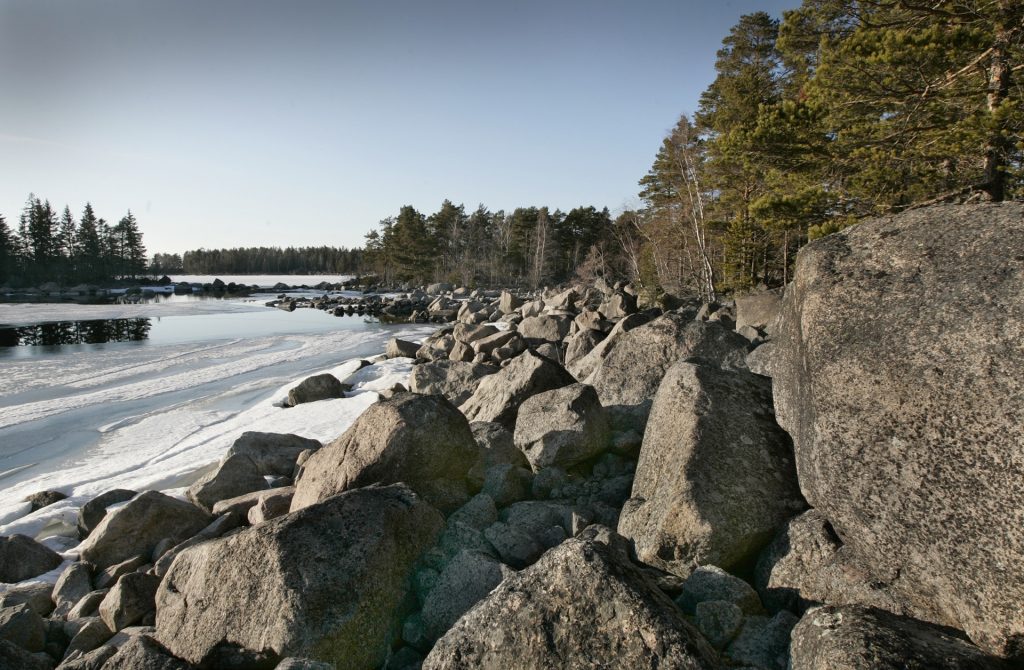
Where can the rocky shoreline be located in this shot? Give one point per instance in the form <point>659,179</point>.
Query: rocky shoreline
<point>828,478</point>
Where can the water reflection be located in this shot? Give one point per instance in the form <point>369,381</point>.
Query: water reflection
<point>76,332</point>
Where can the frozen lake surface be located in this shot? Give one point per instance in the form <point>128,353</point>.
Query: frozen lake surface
<point>152,414</point>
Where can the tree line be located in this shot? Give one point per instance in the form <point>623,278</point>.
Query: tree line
<point>262,260</point>
<point>47,246</point>
<point>841,110</point>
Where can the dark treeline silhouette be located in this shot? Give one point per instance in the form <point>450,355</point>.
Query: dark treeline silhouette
<point>264,260</point>
<point>94,331</point>
<point>50,247</point>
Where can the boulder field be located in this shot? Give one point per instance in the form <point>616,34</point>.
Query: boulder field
<point>829,476</point>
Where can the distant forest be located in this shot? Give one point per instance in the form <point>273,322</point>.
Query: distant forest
<point>842,110</point>
<point>261,260</point>
<point>50,247</point>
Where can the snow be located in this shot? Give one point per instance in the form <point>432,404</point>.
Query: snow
<point>19,314</point>
<point>160,417</point>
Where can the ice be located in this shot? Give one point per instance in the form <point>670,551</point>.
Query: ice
<point>160,418</point>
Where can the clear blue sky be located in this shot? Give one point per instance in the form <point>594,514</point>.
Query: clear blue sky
<point>245,122</point>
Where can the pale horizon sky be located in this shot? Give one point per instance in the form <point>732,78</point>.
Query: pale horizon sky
<point>251,122</point>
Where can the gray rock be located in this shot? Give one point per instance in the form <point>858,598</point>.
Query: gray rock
<point>509,303</point>
<point>273,453</point>
<point>562,428</point>
<point>327,582</point>
<point>272,504</point>
<point>758,310</point>
<point>72,585</point>
<point>496,447</point>
<point>303,664</point>
<point>537,330</point>
<point>499,396</point>
<point>14,657</point>
<point>36,595</point>
<point>629,376</point>
<point>807,565</point>
<point>507,484</point>
<point>92,512</point>
<point>468,333</point>
<point>136,528</point>
<point>898,377</point>
<point>234,476</point>
<point>218,527</point>
<point>92,660</point>
<point>859,638</point>
<point>619,305</point>
<point>22,626</point>
<point>581,344</point>
<point>436,347</point>
<point>547,350</point>
<point>461,352</point>
<point>108,577</point>
<point>397,348</point>
<point>90,634</point>
<point>711,583</point>
<point>466,580</point>
<point>142,652</point>
<point>480,512</point>
<point>129,600</point>
<point>760,360</point>
<point>439,288</point>
<point>44,499</point>
<point>22,558</point>
<point>486,345</point>
<point>239,505</point>
<point>89,605</point>
<point>417,439</point>
<point>532,620</point>
<point>455,380</point>
<point>763,642</point>
<point>718,621</point>
<point>716,480</point>
<point>317,387</point>
<point>581,368</point>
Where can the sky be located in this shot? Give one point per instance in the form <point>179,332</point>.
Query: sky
<point>305,122</point>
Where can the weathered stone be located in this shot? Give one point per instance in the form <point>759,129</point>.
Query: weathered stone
<point>718,621</point>
<point>439,288</point>
<point>899,376</point>
<point>468,333</point>
<point>581,344</point>
<point>436,347</point>
<point>807,565</point>
<point>271,504</point>
<point>219,526</point>
<point>758,310</point>
<point>581,368</point>
<point>239,505</point>
<point>317,387</point>
<point>90,634</point>
<point>397,348</point>
<point>564,300</point>
<point>480,512</point>
<point>89,605</point>
<point>562,427</point>
<point>859,638</point>
<point>507,484</point>
<point>234,476</point>
<point>327,582</point>
<point>716,480</point>
<point>14,657</point>
<point>36,595</point>
<point>509,303</point>
<point>136,528</point>
<point>535,619</point>
<point>629,376</point>
<point>22,558</point>
<point>455,380</point>
<point>763,642</point>
<point>496,447</point>
<point>466,580</point>
<point>92,660</point>
<point>499,396</point>
<point>273,453</point>
<point>417,439</point>
<point>109,576</point>
<point>486,345</point>
<point>303,664</point>
<point>142,652</point>
<point>92,512</point>
<point>22,626</point>
<point>129,600</point>
<point>537,330</point>
<point>44,499</point>
<point>620,304</point>
<point>709,582</point>
<point>72,585</point>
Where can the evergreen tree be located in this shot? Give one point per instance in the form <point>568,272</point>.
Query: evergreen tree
<point>8,256</point>
<point>88,247</point>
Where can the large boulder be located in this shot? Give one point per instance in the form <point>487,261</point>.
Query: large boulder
<point>807,565</point>
<point>14,657</point>
<point>141,652</point>
<point>898,373</point>
<point>329,582</point>
<point>537,330</point>
<point>23,626</point>
<point>628,377</point>
<point>563,427</point>
<point>22,558</point>
<point>465,580</point>
<point>129,600</point>
<point>583,366</point>
<point>581,344</point>
<point>859,638</point>
<point>397,348</point>
<point>421,440</point>
<point>455,380</point>
<point>758,310</point>
<point>73,584</point>
<point>272,453</point>
<point>317,387</point>
<point>139,526</point>
<point>582,605</point>
<point>716,480</point>
<point>499,396</point>
<point>235,475</point>
<point>93,511</point>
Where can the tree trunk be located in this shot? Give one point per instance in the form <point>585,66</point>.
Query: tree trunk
<point>998,145</point>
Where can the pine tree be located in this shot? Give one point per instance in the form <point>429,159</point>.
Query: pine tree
<point>88,247</point>
<point>8,256</point>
